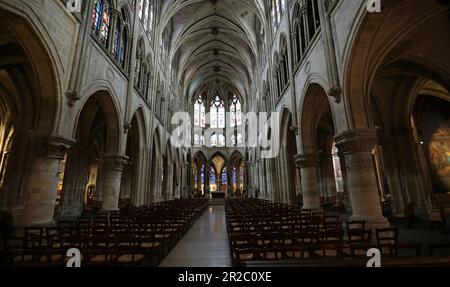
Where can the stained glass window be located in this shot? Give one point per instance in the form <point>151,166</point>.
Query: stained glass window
<point>199,113</point>
<point>196,139</point>
<point>146,10</point>
<point>104,29</point>
<point>218,140</point>
<point>150,19</point>
<point>123,49</point>
<point>212,177</point>
<point>100,21</point>
<point>224,175</point>
<point>235,112</point>
<point>203,174</point>
<point>217,113</point>
<point>96,16</point>
<point>117,39</point>
<point>283,6</point>
<point>141,9</point>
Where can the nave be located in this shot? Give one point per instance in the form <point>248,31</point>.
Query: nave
<point>123,120</point>
<point>236,232</point>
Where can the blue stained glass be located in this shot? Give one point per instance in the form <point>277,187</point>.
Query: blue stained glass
<point>224,176</point>
<point>203,174</point>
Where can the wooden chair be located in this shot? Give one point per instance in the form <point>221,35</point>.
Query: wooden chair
<point>358,238</point>
<point>387,240</point>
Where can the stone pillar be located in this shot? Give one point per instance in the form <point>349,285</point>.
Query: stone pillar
<point>327,176</point>
<point>308,164</point>
<point>207,174</point>
<point>42,182</point>
<point>229,177</point>
<point>356,147</point>
<point>112,175</point>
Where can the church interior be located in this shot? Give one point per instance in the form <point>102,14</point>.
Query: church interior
<point>221,133</point>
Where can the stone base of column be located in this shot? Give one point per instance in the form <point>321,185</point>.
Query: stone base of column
<point>70,211</point>
<point>111,182</point>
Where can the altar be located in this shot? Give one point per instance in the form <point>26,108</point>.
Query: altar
<point>217,194</point>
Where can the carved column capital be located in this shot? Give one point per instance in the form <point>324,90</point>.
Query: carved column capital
<point>52,147</point>
<point>356,141</point>
<point>115,162</point>
<point>306,160</point>
<point>335,93</point>
<point>72,97</point>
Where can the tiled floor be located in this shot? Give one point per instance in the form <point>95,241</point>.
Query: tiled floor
<point>205,244</point>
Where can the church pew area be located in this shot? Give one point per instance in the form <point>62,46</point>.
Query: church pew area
<point>265,234</point>
<point>133,236</point>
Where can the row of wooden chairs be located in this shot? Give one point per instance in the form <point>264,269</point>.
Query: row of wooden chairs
<point>260,231</point>
<point>132,236</point>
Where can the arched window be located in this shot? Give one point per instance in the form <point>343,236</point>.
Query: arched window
<point>150,19</point>
<point>117,39</point>
<point>277,10</point>
<point>283,6</point>
<point>218,140</point>
<point>224,176</point>
<point>100,21</point>
<point>146,15</point>
<point>142,7</point>
<point>123,49</point>
<point>199,113</point>
<point>120,40</point>
<point>212,176</point>
<point>306,26</point>
<point>235,111</point>
<point>199,120</point>
<point>236,119</point>
<point>138,66</point>
<point>276,15</point>
<point>217,113</point>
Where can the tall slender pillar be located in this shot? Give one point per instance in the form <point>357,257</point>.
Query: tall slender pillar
<point>229,177</point>
<point>356,147</point>
<point>207,174</point>
<point>327,179</point>
<point>42,182</point>
<point>112,175</point>
<point>308,164</point>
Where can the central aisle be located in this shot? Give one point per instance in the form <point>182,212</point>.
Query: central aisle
<point>205,244</point>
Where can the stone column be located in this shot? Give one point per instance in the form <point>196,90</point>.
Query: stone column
<point>356,147</point>
<point>327,175</point>
<point>112,175</point>
<point>42,182</point>
<point>308,164</point>
<point>207,174</point>
<point>229,177</point>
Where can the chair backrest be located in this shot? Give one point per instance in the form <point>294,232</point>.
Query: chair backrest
<point>356,225</point>
<point>386,236</point>
<point>34,236</point>
<point>356,232</point>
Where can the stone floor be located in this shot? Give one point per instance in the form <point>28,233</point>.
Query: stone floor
<point>205,244</point>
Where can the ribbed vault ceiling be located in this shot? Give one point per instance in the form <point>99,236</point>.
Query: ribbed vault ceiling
<point>214,42</point>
